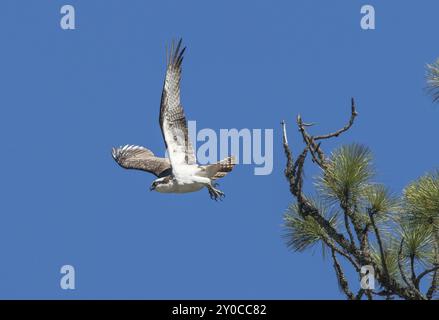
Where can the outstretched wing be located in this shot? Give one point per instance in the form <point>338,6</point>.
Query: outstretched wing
<point>172,119</point>
<point>140,158</point>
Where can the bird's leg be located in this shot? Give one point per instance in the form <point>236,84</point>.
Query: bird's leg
<point>214,193</point>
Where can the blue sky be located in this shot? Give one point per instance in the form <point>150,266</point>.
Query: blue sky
<point>67,97</point>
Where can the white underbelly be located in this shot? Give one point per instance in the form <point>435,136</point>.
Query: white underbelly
<point>186,179</point>
<point>180,187</point>
<point>185,188</point>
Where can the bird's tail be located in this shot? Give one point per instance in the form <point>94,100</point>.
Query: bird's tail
<point>221,168</point>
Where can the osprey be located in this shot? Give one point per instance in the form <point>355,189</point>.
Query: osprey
<point>180,173</point>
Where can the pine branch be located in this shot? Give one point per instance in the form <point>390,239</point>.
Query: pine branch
<point>434,279</point>
<point>433,286</point>
<point>357,256</point>
<point>333,247</point>
<point>412,269</point>
<point>341,277</point>
<point>380,244</point>
<point>294,175</point>
<point>401,269</point>
<point>423,274</point>
<point>348,228</point>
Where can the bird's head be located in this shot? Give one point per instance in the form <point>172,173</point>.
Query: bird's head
<point>160,184</point>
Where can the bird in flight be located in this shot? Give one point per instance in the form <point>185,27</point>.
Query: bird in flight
<point>179,173</point>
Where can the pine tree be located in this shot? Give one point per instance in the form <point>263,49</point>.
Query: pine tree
<point>361,222</point>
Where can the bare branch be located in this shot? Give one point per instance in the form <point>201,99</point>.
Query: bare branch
<point>434,279</point>
<point>412,269</point>
<point>284,133</point>
<point>298,167</point>
<point>423,274</point>
<point>418,294</point>
<point>334,247</point>
<point>348,228</point>
<point>401,269</point>
<point>354,114</point>
<point>433,286</point>
<point>359,294</point>
<point>293,170</point>
<point>341,277</point>
<point>380,244</point>
<point>316,153</point>
<point>385,293</point>
<point>289,170</point>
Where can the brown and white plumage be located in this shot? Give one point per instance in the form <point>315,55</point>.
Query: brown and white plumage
<point>172,118</point>
<point>140,158</point>
<point>180,173</point>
